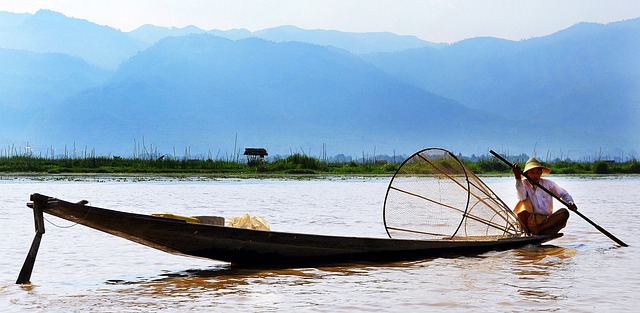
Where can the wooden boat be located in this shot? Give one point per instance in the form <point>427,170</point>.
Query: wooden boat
<point>435,206</point>
<point>257,248</point>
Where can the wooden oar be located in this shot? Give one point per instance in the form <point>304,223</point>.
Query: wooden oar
<point>602,230</point>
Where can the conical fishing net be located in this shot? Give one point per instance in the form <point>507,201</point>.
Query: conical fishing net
<point>433,195</point>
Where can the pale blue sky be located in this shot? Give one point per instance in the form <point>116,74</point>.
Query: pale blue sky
<point>432,20</point>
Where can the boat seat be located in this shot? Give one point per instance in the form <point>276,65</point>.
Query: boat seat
<point>211,220</point>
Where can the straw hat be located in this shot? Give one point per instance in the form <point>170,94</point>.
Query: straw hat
<point>533,163</point>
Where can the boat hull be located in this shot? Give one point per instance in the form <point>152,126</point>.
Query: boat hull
<point>257,248</point>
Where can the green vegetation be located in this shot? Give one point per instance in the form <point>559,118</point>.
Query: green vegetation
<point>495,166</point>
<point>293,164</point>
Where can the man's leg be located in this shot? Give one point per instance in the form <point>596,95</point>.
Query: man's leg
<point>523,217</point>
<point>554,223</point>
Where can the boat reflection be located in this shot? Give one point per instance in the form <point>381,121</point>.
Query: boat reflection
<point>226,279</point>
<point>539,259</point>
<point>541,272</point>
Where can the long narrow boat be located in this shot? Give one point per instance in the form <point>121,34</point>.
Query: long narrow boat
<point>434,206</point>
<point>258,248</point>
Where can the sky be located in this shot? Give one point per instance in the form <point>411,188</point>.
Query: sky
<point>432,20</point>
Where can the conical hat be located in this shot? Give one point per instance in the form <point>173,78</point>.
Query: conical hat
<point>533,163</point>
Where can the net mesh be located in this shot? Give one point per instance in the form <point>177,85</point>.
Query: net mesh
<point>435,196</point>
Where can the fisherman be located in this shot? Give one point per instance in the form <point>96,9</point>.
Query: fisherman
<point>535,206</point>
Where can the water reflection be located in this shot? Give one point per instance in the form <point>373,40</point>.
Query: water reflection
<point>237,288</point>
<point>541,258</point>
<point>224,275</point>
<point>539,270</point>
<point>219,278</point>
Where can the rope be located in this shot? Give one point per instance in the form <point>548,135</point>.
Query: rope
<point>72,225</point>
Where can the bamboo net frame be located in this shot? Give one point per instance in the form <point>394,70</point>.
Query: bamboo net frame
<point>433,195</point>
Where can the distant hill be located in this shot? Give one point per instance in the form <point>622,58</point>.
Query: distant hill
<point>67,81</point>
<point>585,77</point>
<point>48,31</point>
<point>202,90</point>
<point>356,43</point>
<point>32,82</point>
<point>150,34</point>
<point>11,20</point>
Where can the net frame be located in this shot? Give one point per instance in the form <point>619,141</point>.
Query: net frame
<point>433,195</point>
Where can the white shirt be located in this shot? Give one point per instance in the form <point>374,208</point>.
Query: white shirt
<point>541,201</point>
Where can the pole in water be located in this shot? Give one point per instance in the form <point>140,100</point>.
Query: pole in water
<point>27,268</point>
<point>602,230</point>
<point>25,273</point>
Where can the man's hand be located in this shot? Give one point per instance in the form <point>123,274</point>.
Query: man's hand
<point>572,207</point>
<point>517,172</point>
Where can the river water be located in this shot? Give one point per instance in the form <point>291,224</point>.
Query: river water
<point>80,269</point>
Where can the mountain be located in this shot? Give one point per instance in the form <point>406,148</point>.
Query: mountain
<point>11,20</point>
<point>202,90</point>
<point>356,43</point>
<point>31,82</point>
<point>569,94</point>
<point>233,34</point>
<point>48,31</point>
<point>585,77</point>
<point>150,34</point>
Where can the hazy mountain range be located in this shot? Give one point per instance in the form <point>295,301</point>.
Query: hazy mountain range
<point>69,82</point>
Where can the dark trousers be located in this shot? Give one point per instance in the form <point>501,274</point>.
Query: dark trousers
<point>538,224</point>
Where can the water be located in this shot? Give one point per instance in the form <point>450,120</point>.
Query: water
<point>80,269</point>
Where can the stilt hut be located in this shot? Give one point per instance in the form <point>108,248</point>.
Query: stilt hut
<point>255,155</point>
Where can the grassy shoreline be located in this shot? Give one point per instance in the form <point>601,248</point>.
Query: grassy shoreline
<point>294,165</point>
